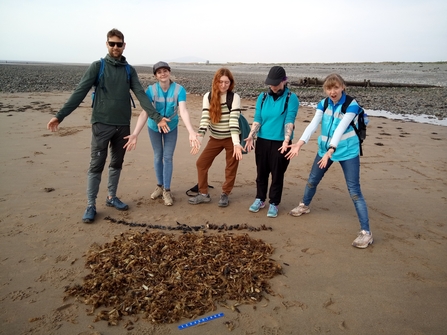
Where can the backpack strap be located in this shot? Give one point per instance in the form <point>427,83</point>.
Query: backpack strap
<point>98,78</point>
<point>128,80</point>
<point>344,107</point>
<point>100,73</point>
<point>263,99</point>
<point>286,104</point>
<point>229,101</point>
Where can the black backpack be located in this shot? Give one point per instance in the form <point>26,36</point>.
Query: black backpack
<point>361,120</point>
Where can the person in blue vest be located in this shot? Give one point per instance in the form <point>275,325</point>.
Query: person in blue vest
<point>110,118</point>
<point>169,98</point>
<point>273,125</point>
<point>337,142</point>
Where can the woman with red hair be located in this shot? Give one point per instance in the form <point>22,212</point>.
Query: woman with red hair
<point>223,123</point>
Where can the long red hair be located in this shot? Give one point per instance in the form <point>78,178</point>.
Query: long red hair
<point>215,107</point>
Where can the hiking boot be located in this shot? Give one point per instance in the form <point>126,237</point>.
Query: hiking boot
<point>257,205</point>
<point>300,210</point>
<point>199,198</point>
<point>89,214</point>
<point>157,193</point>
<point>117,203</point>
<point>223,201</point>
<point>364,238</point>
<point>167,197</point>
<point>273,211</point>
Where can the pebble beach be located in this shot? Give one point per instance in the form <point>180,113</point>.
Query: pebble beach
<point>196,78</point>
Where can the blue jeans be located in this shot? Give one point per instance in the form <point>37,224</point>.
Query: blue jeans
<point>351,170</point>
<point>163,146</point>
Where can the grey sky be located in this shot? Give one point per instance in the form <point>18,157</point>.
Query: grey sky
<point>288,31</point>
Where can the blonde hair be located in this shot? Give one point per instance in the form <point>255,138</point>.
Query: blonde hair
<point>215,107</point>
<point>332,80</point>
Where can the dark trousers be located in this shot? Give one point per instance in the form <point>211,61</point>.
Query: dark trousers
<point>104,136</point>
<point>269,161</point>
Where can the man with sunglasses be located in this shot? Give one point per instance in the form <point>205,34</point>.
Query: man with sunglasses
<point>110,119</point>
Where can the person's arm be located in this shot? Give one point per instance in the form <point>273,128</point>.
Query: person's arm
<point>338,133</point>
<point>250,140</point>
<point>193,141</point>
<point>133,138</point>
<point>255,126</point>
<point>78,95</point>
<point>310,129</point>
<point>289,126</point>
<point>234,126</point>
<point>341,128</point>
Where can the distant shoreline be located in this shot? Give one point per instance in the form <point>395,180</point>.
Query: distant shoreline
<point>22,62</point>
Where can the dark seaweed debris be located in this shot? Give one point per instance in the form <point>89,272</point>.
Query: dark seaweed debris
<point>164,278</point>
<point>186,228</point>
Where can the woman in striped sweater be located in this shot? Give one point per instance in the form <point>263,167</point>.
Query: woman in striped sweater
<point>223,122</point>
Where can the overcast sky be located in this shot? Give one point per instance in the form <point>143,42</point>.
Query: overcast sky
<point>249,31</point>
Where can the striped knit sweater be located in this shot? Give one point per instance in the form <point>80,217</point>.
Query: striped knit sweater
<point>228,126</point>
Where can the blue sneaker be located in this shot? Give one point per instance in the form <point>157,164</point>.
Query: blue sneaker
<point>89,214</point>
<point>273,211</point>
<point>257,205</point>
<point>117,203</point>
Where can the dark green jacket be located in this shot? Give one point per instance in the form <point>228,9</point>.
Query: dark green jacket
<point>112,97</point>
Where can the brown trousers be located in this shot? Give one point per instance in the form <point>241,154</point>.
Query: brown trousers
<point>212,150</point>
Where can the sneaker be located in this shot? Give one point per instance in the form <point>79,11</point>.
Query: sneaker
<point>117,203</point>
<point>223,201</point>
<point>89,214</point>
<point>363,239</point>
<point>167,197</point>
<point>157,193</point>
<point>199,198</point>
<point>300,210</point>
<point>257,205</point>
<point>273,211</point>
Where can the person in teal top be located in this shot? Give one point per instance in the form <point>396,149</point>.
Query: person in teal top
<point>337,142</point>
<point>169,99</point>
<point>273,125</point>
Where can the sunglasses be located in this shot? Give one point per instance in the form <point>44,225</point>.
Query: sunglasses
<point>118,44</point>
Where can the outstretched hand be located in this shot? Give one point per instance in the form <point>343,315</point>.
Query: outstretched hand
<point>194,143</point>
<point>53,124</point>
<point>131,142</point>
<point>163,125</point>
<point>249,144</point>
<point>283,148</point>
<point>237,152</point>
<point>294,149</point>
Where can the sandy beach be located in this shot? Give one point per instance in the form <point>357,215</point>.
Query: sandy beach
<point>398,285</point>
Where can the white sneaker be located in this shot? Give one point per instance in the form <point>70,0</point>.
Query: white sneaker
<point>157,193</point>
<point>364,238</point>
<point>167,197</point>
<point>300,210</point>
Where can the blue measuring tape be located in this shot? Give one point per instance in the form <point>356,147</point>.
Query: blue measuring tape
<point>199,321</point>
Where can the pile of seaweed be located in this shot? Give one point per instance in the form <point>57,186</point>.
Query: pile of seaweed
<point>165,277</point>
